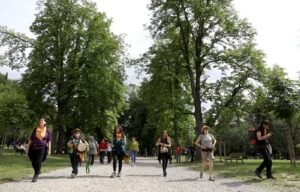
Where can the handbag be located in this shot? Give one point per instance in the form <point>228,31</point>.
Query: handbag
<point>164,149</point>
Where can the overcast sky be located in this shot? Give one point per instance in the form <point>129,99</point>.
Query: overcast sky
<point>277,23</point>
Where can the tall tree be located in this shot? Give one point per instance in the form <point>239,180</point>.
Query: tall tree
<point>74,73</point>
<point>212,37</point>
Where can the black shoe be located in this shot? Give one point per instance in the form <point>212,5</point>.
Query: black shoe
<point>35,178</point>
<point>271,177</point>
<point>165,174</point>
<point>258,174</point>
<point>211,179</point>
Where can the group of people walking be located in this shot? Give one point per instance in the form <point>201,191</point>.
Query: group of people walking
<point>39,147</point>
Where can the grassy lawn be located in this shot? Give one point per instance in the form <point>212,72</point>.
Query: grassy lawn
<point>287,177</point>
<point>16,167</point>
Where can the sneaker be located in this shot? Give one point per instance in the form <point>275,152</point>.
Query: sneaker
<point>211,179</point>
<point>271,177</point>
<point>113,174</point>
<point>119,174</point>
<point>201,175</point>
<point>257,173</point>
<point>35,178</point>
<point>73,175</point>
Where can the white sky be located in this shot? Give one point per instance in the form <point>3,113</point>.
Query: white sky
<point>277,23</point>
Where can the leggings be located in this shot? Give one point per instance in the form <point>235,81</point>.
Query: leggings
<point>267,163</point>
<point>164,158</point>
<point>119,158</point>
<point>36,157</point>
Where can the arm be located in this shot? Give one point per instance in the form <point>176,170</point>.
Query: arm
<point>49,148</point>
<point>28,146</point>
<point>260,137</point>
<point>198,141</point>
<point>158,142</point>
<point>170,142</point>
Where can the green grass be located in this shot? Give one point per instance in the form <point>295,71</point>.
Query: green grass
<point>14,167</point>
<point>287,177</point>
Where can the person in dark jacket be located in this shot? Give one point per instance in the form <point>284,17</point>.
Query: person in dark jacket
<point>265,149</point>
<point>118,150</point>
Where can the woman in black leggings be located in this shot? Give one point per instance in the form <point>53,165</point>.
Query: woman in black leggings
<point>118,147</point>
<point>164,144</point>
<point>264,148</point>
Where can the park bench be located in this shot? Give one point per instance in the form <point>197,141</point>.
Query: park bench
<point>234,156</point>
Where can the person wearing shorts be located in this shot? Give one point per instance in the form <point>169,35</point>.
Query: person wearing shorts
<point>207,144</point>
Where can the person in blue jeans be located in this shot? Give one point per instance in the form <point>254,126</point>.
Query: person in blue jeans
<point>134,148</point>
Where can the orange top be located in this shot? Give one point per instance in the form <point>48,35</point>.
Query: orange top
<point>41,133</point>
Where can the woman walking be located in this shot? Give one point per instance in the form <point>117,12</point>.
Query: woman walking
<point>39,141</point>
<point>102,149</point>
<point>164,143</point>
<point>134,148</point>
<point>109,151</point>
<point>265,149</point>
<point>207,144</point>
<point>93,149</point>
<point>118,147</point>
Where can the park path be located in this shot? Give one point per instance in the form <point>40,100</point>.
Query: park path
<point>146,176</point>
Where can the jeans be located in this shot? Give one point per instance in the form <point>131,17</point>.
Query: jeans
<point>133,156</point>
<point>178,157</point>
<point>267,163</point>
<point>102,155</point>
<point>74,158</point>
<point>36,157</point>
<point>119,158</point>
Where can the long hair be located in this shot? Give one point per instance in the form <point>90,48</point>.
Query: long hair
<point>162,135</point>
<point>121,130</point>
<point>261,126</point>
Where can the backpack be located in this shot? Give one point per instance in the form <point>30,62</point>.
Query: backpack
<point>251,136</point>
<point>92,145</point>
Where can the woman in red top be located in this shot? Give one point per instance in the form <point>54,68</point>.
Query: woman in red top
<point>102,149</point>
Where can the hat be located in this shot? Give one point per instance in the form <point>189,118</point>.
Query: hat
<point>204,127</point>
<point>76,130</point>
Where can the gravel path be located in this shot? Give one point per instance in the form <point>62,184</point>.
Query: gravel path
<point>146,176</point>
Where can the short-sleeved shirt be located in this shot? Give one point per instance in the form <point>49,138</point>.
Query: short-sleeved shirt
<point>207,140</point>
<point>36,143</point>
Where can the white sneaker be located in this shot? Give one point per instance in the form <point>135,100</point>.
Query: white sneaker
<point>113,174</point>
<point>119,174</point>
<point>73,175</point>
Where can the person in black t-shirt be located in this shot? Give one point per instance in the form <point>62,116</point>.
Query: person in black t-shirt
<point>265,149</point>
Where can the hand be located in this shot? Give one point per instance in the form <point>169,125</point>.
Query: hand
<point>270,134</point>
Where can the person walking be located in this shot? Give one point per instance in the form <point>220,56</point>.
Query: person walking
<point>39,146</point>
<point>207,143</point>
<point>192,152</point>
<point>165,144</point>
<point>265,149</point>
<point>102,150</point>
<point>93,149</point>
<point>178,154</point>
<point>118,150</point>
<point>133,148</point>
<point>76,157</point>
<point>109,151</point>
